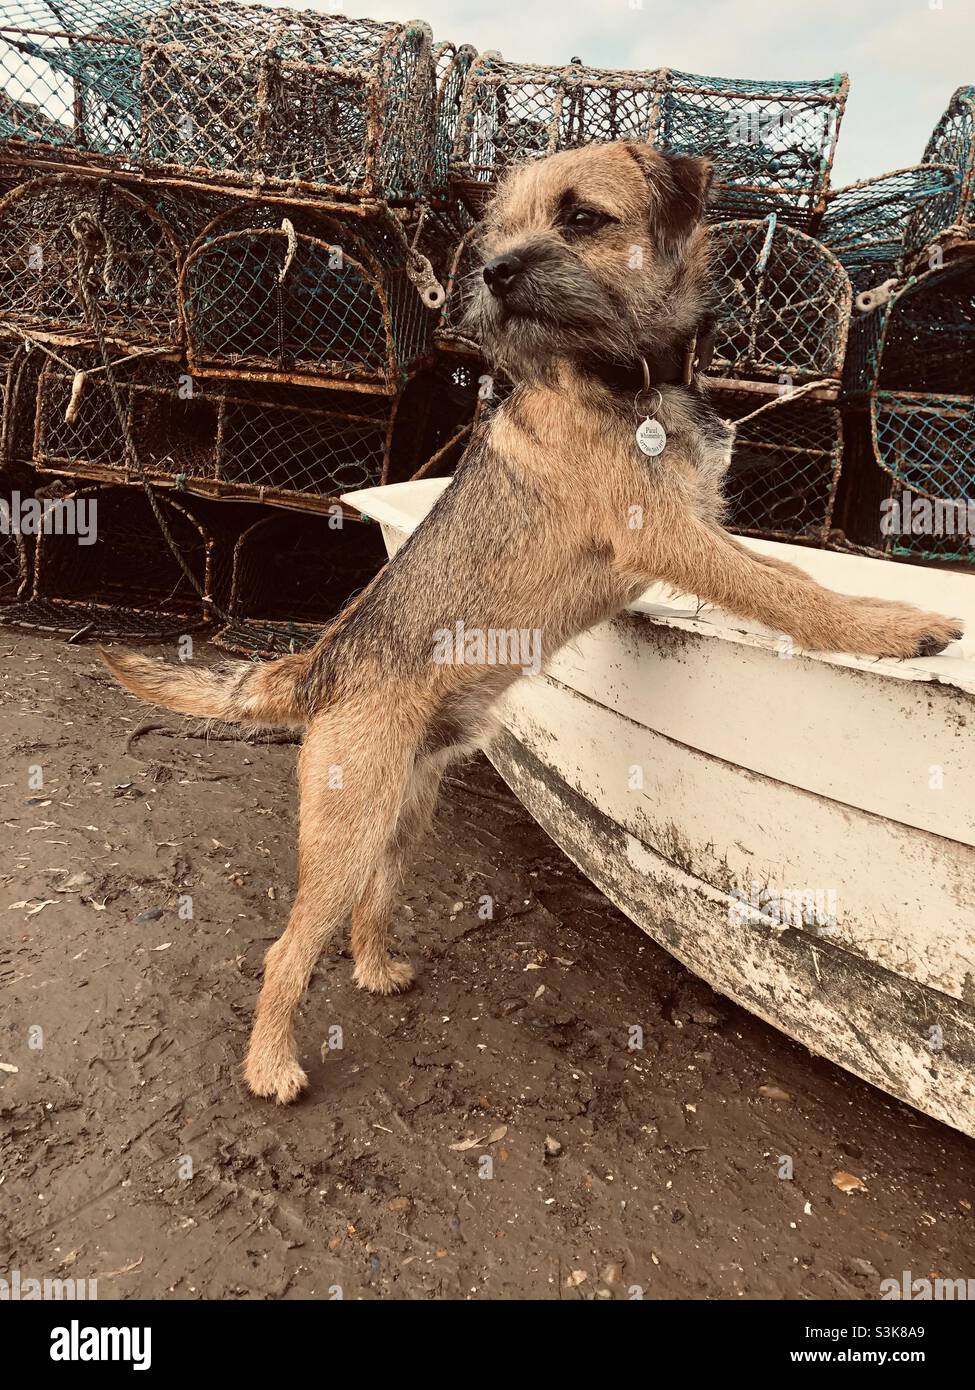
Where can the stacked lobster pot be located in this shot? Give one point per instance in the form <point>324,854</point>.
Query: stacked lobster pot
<point>910,378</point>
<point>217,248</point>
<point>786,298</point>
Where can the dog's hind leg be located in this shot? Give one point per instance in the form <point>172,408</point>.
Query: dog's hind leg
<point>353,774</point>
<point>372,915</point>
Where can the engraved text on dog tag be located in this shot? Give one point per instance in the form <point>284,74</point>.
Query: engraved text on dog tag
<point>651,437</point>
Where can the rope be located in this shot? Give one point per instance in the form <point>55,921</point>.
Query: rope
<point>86,230</point>
<point>784,399</point>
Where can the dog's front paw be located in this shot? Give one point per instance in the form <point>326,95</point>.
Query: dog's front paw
<point>903,631</point>
<point>923,634</point>
<point>932,642</point>
<point>276,1078</point>
<point>389,977</point>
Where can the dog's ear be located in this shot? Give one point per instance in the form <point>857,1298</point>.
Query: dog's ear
<point>680,184</point>
<point>692,177</point>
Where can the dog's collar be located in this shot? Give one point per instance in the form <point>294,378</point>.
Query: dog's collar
<point>672,367</point>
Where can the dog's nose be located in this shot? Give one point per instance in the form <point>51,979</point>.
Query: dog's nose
<point>501,273</point>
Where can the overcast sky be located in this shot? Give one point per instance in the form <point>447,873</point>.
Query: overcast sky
<point>904,57</point>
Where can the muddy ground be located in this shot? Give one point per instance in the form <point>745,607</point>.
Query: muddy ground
<point>132,1154</point>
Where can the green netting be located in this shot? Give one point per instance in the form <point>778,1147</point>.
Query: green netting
<point>229,93</point>
<point>772,142</point>
<point>953,143</point>
<point>783,303</point>
<point>927,442</point>
<point>878,226</point>
<point>452,64</point>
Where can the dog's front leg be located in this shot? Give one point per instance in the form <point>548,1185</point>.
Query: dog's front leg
<point>696,558</point>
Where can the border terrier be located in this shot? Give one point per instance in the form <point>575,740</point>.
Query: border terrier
<point>595,300</point>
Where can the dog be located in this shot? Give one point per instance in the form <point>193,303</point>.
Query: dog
<point>595,300</point>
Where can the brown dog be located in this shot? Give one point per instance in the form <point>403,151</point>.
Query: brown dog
<point>555,520</point>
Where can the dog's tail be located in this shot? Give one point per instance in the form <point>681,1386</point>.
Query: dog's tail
<point>264,694</point>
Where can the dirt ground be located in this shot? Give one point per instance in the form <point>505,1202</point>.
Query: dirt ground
<point>132,1154</point>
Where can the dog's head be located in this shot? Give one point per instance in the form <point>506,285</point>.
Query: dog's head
<point>598,250</point>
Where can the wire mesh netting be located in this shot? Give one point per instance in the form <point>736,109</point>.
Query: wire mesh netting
<point>916,499</point>
<point>305,298</point>
<point>785,470</point>
<point>921,339</point>
<point>452,63</point>
<point>282,444</point>
<point>953,143</point>
<point>133,268</point>
<point>926,442</point>
<point>875,227</point>
<point>14,544</point>
<point>291,575</point>
<point>229,93</point>
<point>103,569</point>
<point>772,142</point>
<point>784,303</point>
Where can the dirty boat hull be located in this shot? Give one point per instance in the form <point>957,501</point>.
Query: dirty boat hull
<point>798,830</point>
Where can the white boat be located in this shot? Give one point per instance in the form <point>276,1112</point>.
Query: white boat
<point>798,829</point>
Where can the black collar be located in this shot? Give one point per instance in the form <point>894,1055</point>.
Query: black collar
<point>675,366</point>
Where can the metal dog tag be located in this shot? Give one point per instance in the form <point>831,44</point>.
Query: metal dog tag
<point>651,437</point>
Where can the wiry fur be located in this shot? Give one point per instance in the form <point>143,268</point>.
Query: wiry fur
<point>536,532</point>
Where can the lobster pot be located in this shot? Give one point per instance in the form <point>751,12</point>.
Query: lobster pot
<point>921,339</point>
<point>281,445</point>
<point>69,70</point>
<point>228,94</point>
<point>9,353</point>
<point>452,64</point>
<point>925,445</point>
<point>912,382</point>
<point>126,582</point>
<point>289,99</point>
<point>952,143</point>
<point>784,304</point>
<point>14,547</point>
<point>133,261</point>
<point>291,574</point>
<point>773,143</point>
<point>785,470</point>
<point>878,227</point>
<point>314,300</point>
<point>909,481</point>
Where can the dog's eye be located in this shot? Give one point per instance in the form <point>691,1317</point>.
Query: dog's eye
<point>577,221</point>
